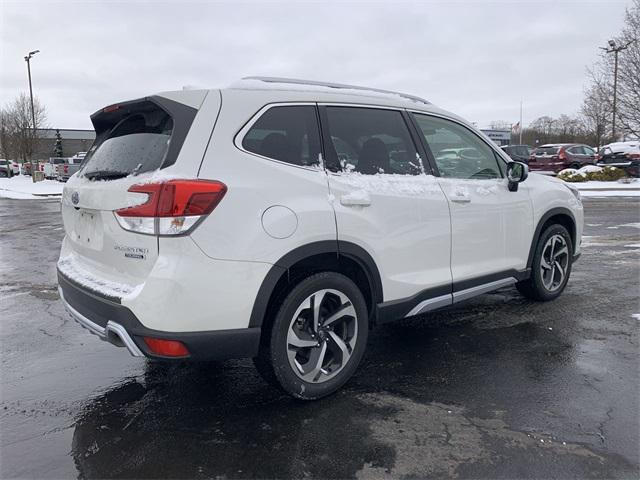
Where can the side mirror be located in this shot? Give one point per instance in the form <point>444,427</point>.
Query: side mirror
<point>516,172</point>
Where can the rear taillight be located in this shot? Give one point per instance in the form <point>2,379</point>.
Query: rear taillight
<point>173,207</point>
<point>562,155</point>
<point>633,156</point>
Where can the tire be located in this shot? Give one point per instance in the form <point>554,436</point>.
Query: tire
<point>548,279</point>
<point>316,365</point>
<point>575,166</point>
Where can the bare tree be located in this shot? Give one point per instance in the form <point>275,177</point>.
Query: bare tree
<point>629,72</point>
<point>17,133</point>
<point>596,115</point>
<point>628,90</point>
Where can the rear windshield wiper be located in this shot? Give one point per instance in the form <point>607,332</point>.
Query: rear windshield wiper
<point>105,174</point>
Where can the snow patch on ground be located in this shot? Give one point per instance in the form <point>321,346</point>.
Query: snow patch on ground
<point>632,225</point>
<point>633,245</point>
<point>73,269</point>
<point>636,316</point>
<point>21,187</point>
<point>609,193</point>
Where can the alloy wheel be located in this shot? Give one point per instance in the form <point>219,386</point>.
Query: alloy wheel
<point>554,262</point>
<point>322,335</point>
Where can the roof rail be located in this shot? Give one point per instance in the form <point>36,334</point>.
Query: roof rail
<point>296,81</point>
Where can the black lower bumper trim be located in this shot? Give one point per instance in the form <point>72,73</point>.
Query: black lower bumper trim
<point>207,345</point>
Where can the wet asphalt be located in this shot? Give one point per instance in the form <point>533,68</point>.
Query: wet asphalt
<point>497,387</point>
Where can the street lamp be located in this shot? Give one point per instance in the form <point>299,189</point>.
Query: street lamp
<point>615,49</point>
<point>33,113</point>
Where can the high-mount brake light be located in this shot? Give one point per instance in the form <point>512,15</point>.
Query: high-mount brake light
<point>111,108</point>
<point>173,207</point>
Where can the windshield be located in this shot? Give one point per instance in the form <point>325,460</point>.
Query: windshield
<point>137,143</point>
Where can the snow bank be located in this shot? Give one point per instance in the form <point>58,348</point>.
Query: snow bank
<point>22,187</point>
<point>589,168</point>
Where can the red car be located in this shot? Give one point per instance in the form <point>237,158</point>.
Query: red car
<point>552,158</point>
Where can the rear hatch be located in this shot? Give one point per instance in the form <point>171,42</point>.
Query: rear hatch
<point>135,142</point>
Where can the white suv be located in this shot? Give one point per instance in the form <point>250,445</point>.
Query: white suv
<point>281,220</point>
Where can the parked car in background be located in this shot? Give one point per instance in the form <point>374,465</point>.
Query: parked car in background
<point>51,166</point>
<point>15,167</point>
<point>625,155</point>
<point>271,241</point>
<point>519,153</point>
<point>71,166</point>
<point>26,168</point>
<point>5,168</point>
<point>554,157</point>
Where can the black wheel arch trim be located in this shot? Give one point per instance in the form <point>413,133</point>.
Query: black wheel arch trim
<point>283,266</point>
<point>538,231</point>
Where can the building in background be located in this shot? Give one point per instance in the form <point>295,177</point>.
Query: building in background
<point>499,137</point>
<point>73,141</point>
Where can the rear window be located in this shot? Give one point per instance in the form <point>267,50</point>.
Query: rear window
<point>546,150</point>
<point>137,142</point>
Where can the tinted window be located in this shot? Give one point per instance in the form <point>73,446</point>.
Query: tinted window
<point>289,134</point>
<point>546,151</point>
<point>137,143</point>
<point>458,152</point>
<point>370,141</point>
<point>588,151</point>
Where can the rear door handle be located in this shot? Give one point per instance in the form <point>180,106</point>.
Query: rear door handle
<point>351,200</point>
<point>461,199</point>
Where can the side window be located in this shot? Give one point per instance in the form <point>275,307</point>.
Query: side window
<point>575,150</point>
<point>458,152</point>
<point>287,133</point>
<point>370,141</point>
<point>588,151</point>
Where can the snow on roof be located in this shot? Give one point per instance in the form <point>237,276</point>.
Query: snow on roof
<point>291,84</point>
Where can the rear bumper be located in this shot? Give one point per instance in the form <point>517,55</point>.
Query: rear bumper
<point>117,324</point>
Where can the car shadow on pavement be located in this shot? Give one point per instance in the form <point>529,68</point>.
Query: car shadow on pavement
<point>430,399</point>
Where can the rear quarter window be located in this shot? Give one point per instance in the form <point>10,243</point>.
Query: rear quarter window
<point>286,133</point>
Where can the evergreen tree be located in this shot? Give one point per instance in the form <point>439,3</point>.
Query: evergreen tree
<point>57,149</point>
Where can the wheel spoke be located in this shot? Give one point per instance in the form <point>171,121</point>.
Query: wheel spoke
<point>563,251</point>
<point>344,348</point>
<point>544,263</point>
<point>343,311</point>
<point>558,268</point>
<point>317,358</point>
<point>316,300</point>
<point>296,341</point>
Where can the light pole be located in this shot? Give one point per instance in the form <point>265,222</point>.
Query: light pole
<point>615,49</point>
<point>33,113</point>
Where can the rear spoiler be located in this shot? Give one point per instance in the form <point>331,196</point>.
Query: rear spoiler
<point>108,117</point>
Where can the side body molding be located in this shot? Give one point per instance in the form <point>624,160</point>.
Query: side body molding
<point>338,248</point>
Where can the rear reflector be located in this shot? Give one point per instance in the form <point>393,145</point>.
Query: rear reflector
<point>173,207</point>
<point>166,348</point>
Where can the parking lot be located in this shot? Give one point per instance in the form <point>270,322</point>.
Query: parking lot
<point>496,387</point>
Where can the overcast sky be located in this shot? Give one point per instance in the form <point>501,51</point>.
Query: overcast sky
<point>476,59</point>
